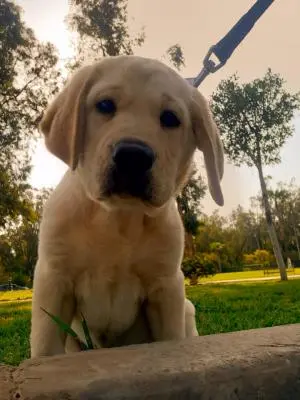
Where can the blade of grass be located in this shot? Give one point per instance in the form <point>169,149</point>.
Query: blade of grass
<point>67,329</point>
<point>86,333</point>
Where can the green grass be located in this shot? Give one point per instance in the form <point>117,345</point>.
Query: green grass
<point>228,308</point>
<point>16,295</point>
<point>220,308</point>
<point>244,275</point>
<point>14,332</point>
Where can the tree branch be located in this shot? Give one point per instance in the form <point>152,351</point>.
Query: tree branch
<point>19,92</point>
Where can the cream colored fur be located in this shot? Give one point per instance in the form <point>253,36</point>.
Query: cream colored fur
<point>117,260</point>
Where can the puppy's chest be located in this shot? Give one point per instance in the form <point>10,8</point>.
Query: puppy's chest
<point>109,302</point>
<point>109,290</point>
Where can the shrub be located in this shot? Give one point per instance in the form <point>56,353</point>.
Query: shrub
<point>263,257</point>
<point>20,279</point>
<point>200,265</point>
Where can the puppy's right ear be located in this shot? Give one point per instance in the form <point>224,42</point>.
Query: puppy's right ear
<point>63,123</point>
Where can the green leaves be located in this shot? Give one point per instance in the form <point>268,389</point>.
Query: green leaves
<point>103,29</point>
<point>175,55</point>
<point>254,118</point>
<point>64,327</point>
<point>189,202</point>
<point>201,265</point>
<point>86,333</point>
<point>69,331</point>
<point>28,79</point>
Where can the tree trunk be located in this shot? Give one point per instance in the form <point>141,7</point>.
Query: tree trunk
<point>219,262</point>
<point>189,245</point>
<point>257,242</point>
<point>270,225</point>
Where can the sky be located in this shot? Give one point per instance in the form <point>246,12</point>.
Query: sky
<point>196,25</point>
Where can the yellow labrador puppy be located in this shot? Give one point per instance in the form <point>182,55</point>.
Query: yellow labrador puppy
<point>111,238</point>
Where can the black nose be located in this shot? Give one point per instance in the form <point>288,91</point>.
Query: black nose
<point>133,157</point>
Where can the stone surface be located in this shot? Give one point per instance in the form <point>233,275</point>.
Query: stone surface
<point>261,364</point>
<point>6,381</point>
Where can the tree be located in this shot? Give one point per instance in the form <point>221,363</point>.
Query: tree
<point>218,248</point>
<point>20,241</point>
<point>212,229</point>
<point>248,227</point>
<point>189,208</point>
<point>102,29</point>
<point>216,238</point>
<point>175,56</point>
<point>255,121</point>
<point>285,205</point>
<point>28,78</point>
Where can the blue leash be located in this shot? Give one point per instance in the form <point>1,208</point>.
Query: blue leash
<point>226,46</point>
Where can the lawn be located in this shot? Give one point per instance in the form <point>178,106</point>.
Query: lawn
<point>234,307</point>
<point>15,295</point>
<point>14,331</point>
<point>220,308</point>
<point>245,275</point>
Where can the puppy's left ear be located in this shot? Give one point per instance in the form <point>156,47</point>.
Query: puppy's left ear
<point>209,142</point>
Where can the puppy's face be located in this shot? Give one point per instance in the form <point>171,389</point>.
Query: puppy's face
<point>129,127</point>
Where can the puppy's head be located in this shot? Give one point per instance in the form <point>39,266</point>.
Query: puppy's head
<point>128,126</point>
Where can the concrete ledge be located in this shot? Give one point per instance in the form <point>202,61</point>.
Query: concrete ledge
<point>256,364</point>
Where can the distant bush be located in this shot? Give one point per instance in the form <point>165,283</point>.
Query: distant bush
<point>263,257</point>
<point>20,279</point>
<point>201,265</point>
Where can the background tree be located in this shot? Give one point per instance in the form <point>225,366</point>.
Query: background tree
<point>255,122</point>
<point>214,238</point>
<point>285,205</point>
<point>28,78</point>
<point>218,248</point>
<point>175,55</point>
<point>102,29</point>
<point>248,225</point>
<point>189,207</point>
<point>20,240</point>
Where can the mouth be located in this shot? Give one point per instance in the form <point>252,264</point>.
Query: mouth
<point>137,186</point>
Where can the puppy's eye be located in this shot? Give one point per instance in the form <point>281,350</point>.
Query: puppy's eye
<point>168,119</point>
<point>106,106</point>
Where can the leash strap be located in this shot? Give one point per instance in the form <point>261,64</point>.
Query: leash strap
<point>226,46</point>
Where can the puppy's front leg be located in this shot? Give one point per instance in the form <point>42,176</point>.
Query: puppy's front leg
<point>166,308</point>
<point>51,291</point>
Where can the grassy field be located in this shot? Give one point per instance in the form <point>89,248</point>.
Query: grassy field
<point>228,308</point>
<point>220,308</point>
<point>16,295</point>
<point>245,275</point>
<point>14,331</point>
